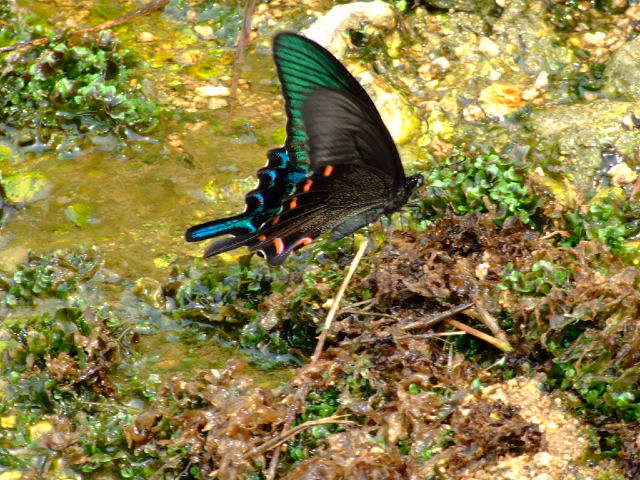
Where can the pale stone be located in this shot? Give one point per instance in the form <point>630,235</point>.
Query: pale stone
<point>216,103</point>
<point>327,30</point>
<point>473,113</point>
<point>488,47</point>
<point>213,91</point>
<point>542,80</point>
<point>146,37</point>
<point>205,31</point>
<point>622,174</point>
<point>188,58</point>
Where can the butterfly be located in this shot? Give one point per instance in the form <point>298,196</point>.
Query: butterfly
<point>338,171</point>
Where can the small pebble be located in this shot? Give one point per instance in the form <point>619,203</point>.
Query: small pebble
<point>473,113</point>
<point>542,80</point>
<point>621,174</point>
<point>442,63</point>
<point>188,58</point>
<point>542,459</point>
<point>205,31</point>
<point>488,47</point>
<point>146,37</point>
<point>213,91</point>
<point>596,39</point>
<point>216,103</point>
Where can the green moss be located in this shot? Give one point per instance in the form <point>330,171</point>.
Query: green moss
<point>73,85</point>
<point>25,187</point>
<point>79,213</point>
<point>474,183</point>
<point>610,219</point>
<point>318,405</point>
<point>55,275</point>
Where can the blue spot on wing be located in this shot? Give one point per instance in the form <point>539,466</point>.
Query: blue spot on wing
<point>276,182</point>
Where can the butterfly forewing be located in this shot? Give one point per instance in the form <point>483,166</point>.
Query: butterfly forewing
<point>342,129</point>
<point>305,67</point>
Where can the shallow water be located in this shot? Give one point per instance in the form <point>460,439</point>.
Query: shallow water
<point>140,196</point>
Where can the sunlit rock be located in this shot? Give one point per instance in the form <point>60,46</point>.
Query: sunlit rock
<point>622,174</point>
<point>82,214</point>
<point>327,30</point>
<point>622,72</point>
<point>395,111</point>
<point>25,187</point>
<point>213,91</point>
<point>8,154</point>
<point>578,134</point>
<point>501,98</point>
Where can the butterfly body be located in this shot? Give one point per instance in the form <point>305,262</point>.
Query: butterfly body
<point>338,171</point>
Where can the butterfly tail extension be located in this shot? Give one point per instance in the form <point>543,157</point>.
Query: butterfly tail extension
<point>277,249</point>
<point>236,225</point>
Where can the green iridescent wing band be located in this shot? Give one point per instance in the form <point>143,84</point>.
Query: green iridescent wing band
<point>304,67</point>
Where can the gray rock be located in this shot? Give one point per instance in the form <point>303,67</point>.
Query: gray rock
<point>622,72</point>
<point>475,6</point>
<point>580,132</point>
<point>328,32</point>
<point>396,112</point>
<point>25,187</point>
<point>522,24</point>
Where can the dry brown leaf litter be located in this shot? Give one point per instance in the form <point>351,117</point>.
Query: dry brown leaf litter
<point>410,387</point>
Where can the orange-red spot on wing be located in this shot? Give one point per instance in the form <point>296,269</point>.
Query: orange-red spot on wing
<point>294,203</point>
<point>279,244</point>
<point>302,242</point>
<point>262,238</point>
<point>328,170</point>
<point>275,220</point>
<point>307,185</point>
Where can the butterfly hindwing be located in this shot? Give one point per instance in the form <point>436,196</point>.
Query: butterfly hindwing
<point>342,198</point>
<point>277,180</point>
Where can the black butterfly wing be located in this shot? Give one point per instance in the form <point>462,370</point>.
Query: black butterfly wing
<point>343,129</point>
<point>304,68</point>
<point>276,180</point>
<point>353,180</point>
<point>333,130</point>
<point>341,197</point>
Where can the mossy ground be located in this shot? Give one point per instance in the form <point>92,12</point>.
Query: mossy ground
<point>86,391</point>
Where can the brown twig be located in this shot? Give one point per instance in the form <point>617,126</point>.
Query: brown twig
<point>488,320</point>
<point>500,341</point>
<point>302,392</point>
<point>241,47</point>
<point>437,318</point>
<point>336,302</point>
<point>103,26</point>
<point>292,432</point>
<point>368,314</point>
<point>358,341</point>
<point>496,342</point>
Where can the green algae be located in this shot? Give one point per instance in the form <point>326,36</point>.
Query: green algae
<point>25,187</point>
